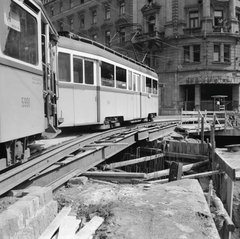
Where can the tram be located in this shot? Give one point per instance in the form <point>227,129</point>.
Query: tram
<point>99,86</point>
<point>27,79</point>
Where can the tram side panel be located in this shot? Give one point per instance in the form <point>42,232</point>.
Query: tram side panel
<point>85,104</point>
<point>66,105</point>
<point>149,104</point>
<point>21,108</point>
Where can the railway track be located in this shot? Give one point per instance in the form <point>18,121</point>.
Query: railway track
<point>56,165</point>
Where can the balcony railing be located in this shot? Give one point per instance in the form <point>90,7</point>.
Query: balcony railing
<point>189,31</point>
<point>221,29</point>
<point>155,35</point>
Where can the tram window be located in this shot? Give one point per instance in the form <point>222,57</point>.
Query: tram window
<point>130,80</point>
<point>148,85</point>
<point>89,74</point>
<point>78,70</point>
<point>64,66</point>
<point>19,35</point>
<point>155,88</point>
<point>121,78</point>
<point>143,84</point>
<point>138,78</point>
<point>107,74</point>
<point>134,82</point>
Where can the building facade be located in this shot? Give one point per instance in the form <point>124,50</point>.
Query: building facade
<point>194,45</point>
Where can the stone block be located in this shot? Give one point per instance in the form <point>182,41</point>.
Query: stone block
<point>10,223</point>
<point>78,180</point>
<point>39,223</point>
<point>43,193</point>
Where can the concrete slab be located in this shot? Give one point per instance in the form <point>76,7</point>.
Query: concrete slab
<point>168,211</point>
<point>229,162</point>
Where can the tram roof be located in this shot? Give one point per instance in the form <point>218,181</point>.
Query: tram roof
<point>69,35</point>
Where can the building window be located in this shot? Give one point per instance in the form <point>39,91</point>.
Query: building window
<point>61,6</point>
<point>94,16</point>
<point>196,53</point>
<point>222,53</point>
<point>82,21</point>
<point>94,37</point>
<point>151,24</point>
<point>186,50</point>
<point>193,19</point>
<point>122,8</point>
<point>191,53</point>
<point>218,17</point>
<point>107,13</point>
<point>217,53</point>
<point>71,24</point>
<point>226,53</point>
<point>52,11</point>
<point>238,17</point>
<point>71,3</point>
<point>122,35</point>
<point>107,38</point>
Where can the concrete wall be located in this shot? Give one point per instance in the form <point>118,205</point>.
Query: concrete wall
<point>29,216</point>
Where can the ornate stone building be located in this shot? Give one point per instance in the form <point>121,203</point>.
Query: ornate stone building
<point>194,45</point>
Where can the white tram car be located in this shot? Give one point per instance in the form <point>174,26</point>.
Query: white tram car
<point>98,86</point>
<point>27,84</point>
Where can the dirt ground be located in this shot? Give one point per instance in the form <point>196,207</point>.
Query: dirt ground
<point>173,210</point>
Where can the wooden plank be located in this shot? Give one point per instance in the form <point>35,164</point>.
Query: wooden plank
<point>192,176</point>
<point>229,205</point>
<point>222,211</point>
<point>133,161</point>
<point>55,224</point>
<point>175,171</point>
<point>114,174</point>
<point>231,172</point>
<point>165,172</point>
<point>68,227</point>
<point>186,156</point>
<point>89,228</point>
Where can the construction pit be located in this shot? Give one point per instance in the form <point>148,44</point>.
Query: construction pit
<point>176,209</point>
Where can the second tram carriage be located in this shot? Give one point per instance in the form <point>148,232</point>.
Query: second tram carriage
<point>98,86</point>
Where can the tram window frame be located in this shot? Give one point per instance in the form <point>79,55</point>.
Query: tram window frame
<point>19,38</point>
<point>148,88</point>
<point>78,70</point>
<point>138,82</point>
<point>89,76</point>
<point>130,80</point>
<point>121,78</point>
<point>134,82</point>
<point>64,69</point>
<point>143,84</point>
<point>154,86</point>
<point>107,74</point>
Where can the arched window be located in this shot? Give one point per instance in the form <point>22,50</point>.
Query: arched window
<point>151,24</point>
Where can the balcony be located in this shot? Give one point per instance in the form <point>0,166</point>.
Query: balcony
<point>148,37</point>
<point>190,31</point>
<point>222,29</point>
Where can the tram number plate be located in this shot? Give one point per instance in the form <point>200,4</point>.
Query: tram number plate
<point>25,102</point>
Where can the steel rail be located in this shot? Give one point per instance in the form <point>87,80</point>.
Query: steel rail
<point>32,168</point>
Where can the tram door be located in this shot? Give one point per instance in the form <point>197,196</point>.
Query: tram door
<point>85,91</point>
